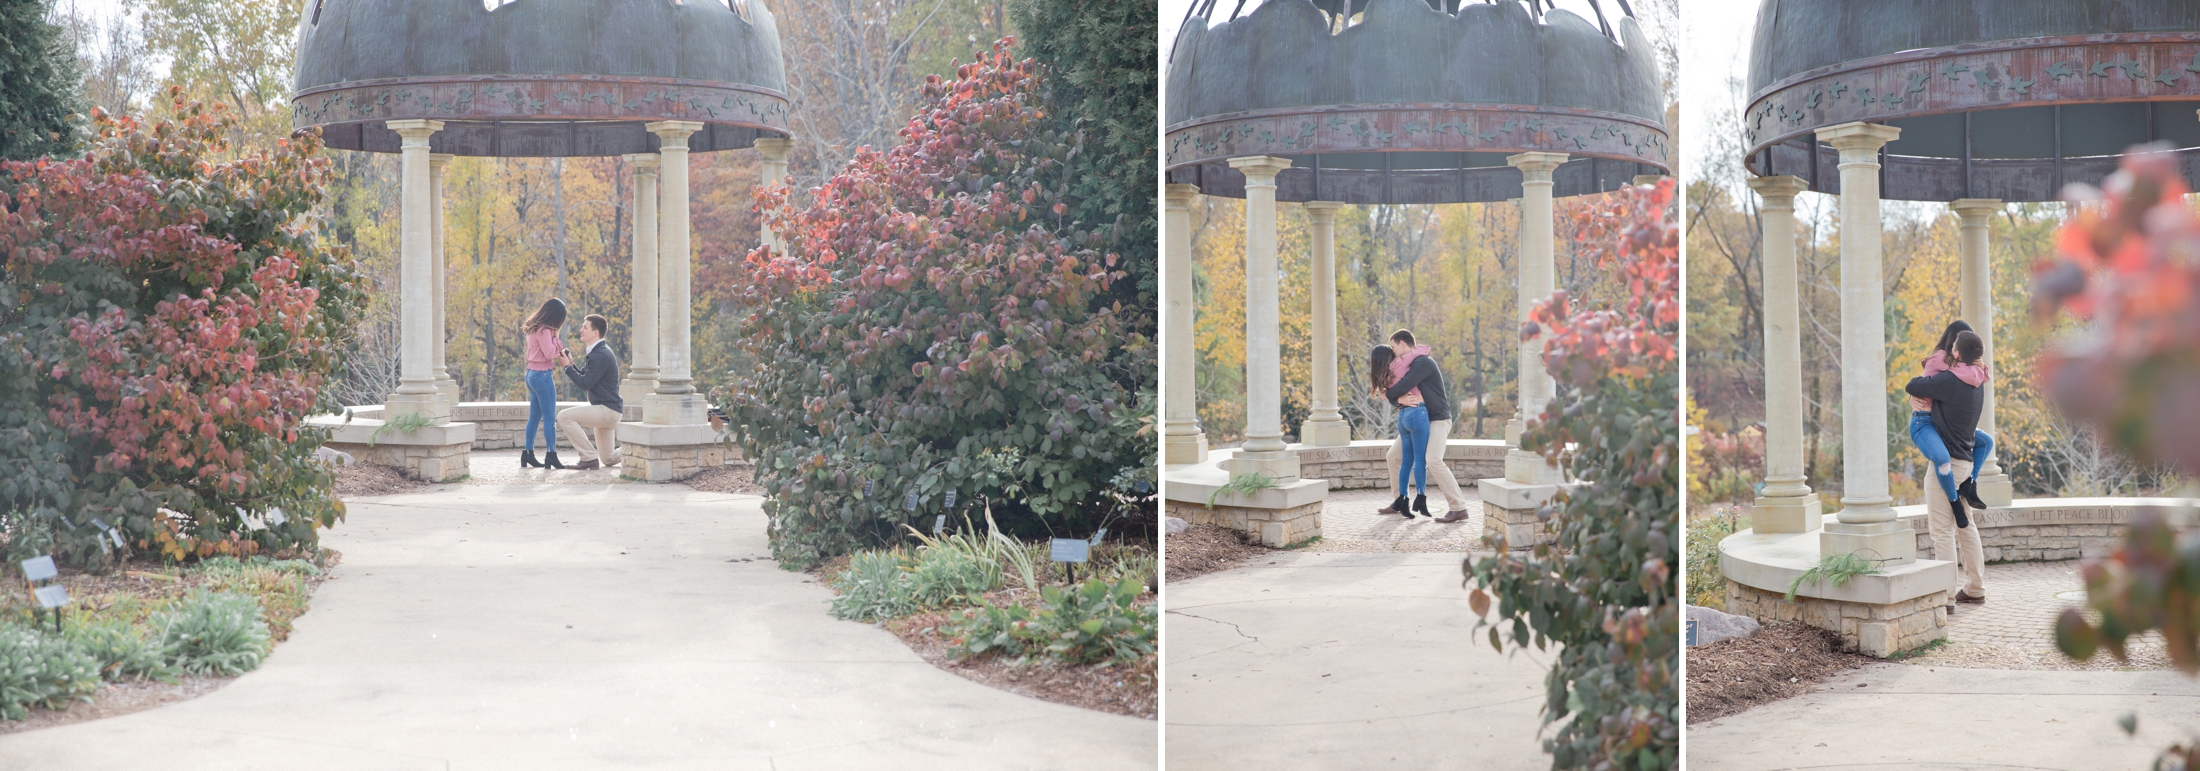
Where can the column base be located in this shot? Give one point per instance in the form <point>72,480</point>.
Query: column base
<point>1179,449</point>
<point>1513,429</point>
<point>1509,512</point>
<point>1996,490</point>
<point>675,409</point>
<point>450,390</point>
<point>432,405</point>
<point>1280,466</point>
<point>1886,544</point>
<point>643,387</point>
<point>1527,468</point>
<point>1787,514</point>
<point>1333,432</point>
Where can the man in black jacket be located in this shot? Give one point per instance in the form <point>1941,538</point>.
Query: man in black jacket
<point>1956,408</point>
<point>1425,375</point>
<point>599,378</point>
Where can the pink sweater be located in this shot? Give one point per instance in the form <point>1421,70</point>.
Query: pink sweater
<point>1398,366</point>
<point>1974,374</point>
<point>542,348</point>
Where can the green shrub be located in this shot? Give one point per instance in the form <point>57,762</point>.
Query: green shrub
<point>214,633</point>
<point>42,670</point>
<point>1094,622</point>
<point>874,588</point>
<point>1706,584</point>
<point>944,577</point>
<point>122,650</point>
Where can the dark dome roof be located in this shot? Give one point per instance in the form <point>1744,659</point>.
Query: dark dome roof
<point>1413,104</point>
<point>1808,34</point>
<point>539,77</point>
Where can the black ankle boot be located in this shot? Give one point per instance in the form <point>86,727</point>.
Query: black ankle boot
<point>550,460</point>
<point>1420,504</point>
<point>1969,492</point>
<point>1962,520</point>
<point>1395,506</point>
<point>527,459</point>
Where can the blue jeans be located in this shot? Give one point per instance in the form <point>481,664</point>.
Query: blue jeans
<point>1412,461</point>
<point>542,407</point>
<point>1928,441</point>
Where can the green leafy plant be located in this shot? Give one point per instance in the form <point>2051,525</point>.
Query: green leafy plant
<point>1838,568</point>
<point>1602,587</point>
<point>122,650</point>
<point>1242,485</point>
<point>935,303</point>
<point>42,670</point>
<point>403,424</point>
<point>874,588</point>
<point>943,577</point>
<point>1094,622</point>
<point>1706,583</point>
<point>214,633</point>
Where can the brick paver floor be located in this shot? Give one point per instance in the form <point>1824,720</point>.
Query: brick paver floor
<point>2015,629</point>
<point>1350,524</point>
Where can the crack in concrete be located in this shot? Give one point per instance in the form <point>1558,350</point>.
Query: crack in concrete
<point>1234,627</point>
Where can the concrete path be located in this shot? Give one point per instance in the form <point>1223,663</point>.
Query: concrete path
<point>535,627</point>
<point>1334,661</point>
<point>1913,717</point>
<point>1350,524</point>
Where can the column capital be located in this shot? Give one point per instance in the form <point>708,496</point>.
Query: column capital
<point>1778,192</point>
<point>437,161</point>
<point>1179,195</point>
<point>1322,211</point>
<point>643,163</point>
<point>674,133</point>
<point>1537,166</point>
<point>415,132</point>
<point>1646,179</point>
<point>1261,167</point>
<point>774,148</point>
<point>1974,211</point>
<point>1857,136</point>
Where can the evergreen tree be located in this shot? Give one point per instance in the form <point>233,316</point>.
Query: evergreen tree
<point>1103,87</point>
<point>38,83</point>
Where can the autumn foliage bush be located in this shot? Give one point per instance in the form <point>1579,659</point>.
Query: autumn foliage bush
<point>930,329</point>
<point>167,322</point>
<point>1603,588</point>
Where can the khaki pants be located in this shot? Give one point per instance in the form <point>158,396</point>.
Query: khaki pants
<point>1439,472</point>
<point>1962,545</point>
<point>605,422</point>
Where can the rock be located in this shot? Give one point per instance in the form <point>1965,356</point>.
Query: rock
<point>1174,525</point>
<point>1713,626</point>
<point>333,457</point>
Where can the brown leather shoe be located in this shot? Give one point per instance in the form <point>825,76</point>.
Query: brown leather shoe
<point>1966,598</point>
<point>586,465</point>
<point>1453,516</point>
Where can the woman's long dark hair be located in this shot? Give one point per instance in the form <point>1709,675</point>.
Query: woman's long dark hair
<point>1947,342</point>
<point>550,316</point>
<point>1378,366</point>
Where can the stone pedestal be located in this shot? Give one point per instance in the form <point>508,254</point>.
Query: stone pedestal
<point>1886,544</point>
<point>434,453</point>
<point>1324,426</point>
<point>1870,629</point>
<point>1182,441</point>
<point>1787,514</point>
<point>1287,514</point>
<point>654,453</point>
<point>1264,451</point>
<point>1509,512</point>
<point>1881,614</point>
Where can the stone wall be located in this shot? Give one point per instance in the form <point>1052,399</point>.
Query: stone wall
<point>2046,529</point>
<point>435,463</point>
<point>1363,465</point>
<point>499,425</point>
<point>1276,528</point>
<point>664,464</point>
<point>1874,630</point>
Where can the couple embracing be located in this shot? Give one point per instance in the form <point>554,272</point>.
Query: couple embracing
<point>1945,404</point>
<point>1409,379</point>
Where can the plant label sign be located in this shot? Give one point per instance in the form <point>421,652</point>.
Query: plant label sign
<point>950,503</point>
<point>910,502</point>
<point>39,569</point>
<point>50,597</point>
<point>1071,549</point>
<point>1692,631</point>
<point>939,523</point>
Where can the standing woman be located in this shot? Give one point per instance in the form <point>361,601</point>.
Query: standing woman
<point>1384,367</point>
<point>543,348</point>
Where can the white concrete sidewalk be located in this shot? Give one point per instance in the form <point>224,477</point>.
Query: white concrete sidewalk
<point>540,627</point>
<point>1914,717</point>
<point>1336,661</point>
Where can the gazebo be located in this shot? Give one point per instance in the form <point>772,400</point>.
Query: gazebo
<point>647,80</point>
<point>1969,103</point>
<point>1433,102</point>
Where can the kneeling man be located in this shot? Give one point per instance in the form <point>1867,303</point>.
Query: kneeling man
<point>597,376</point>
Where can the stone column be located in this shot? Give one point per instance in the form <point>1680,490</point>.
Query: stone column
<point>641,373</point>
<point>438,163</point>
<point>417,392</point>
<point>1264,450</point>
<point>1537,275</point>
<point>1866,523</point>
<point>1978,308</point>
<point>1181,439</point>
<point>774,152</point>
<point>675,402</point>
<point>1787,504</point>
<point>1325,426</point>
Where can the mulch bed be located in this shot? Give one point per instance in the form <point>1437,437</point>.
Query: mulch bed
<point>1207,548</point>
<point>1122,689</point>
<point>1780,661</point>
<point>738,479</point>
<point>364,479</point>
